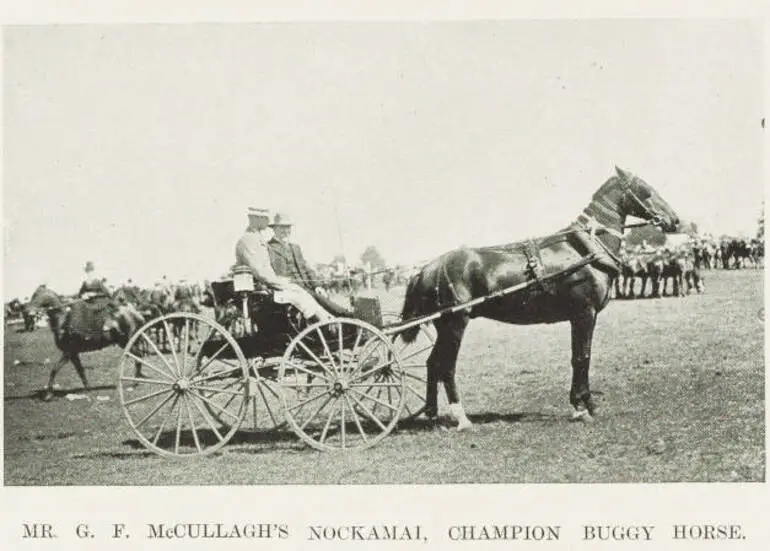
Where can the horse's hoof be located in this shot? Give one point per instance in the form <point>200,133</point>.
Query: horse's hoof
<point>582,415</point>
<point>48,396</point>
<point>466,426</point>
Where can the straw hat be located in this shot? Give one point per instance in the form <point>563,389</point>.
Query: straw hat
<point>281,219</point>
<point>255,211</point>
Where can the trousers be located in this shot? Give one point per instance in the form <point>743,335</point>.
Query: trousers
<point>302,300</point>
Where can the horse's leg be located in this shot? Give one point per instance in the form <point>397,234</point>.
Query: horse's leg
<point>452,333</point>
<point>582,335</point>
<point>431,389</point>
<point>54,370</point>
<point>79,368</point>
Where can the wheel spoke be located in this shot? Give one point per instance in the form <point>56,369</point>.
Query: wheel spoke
<point>200,346</point>
<point>146,397</point>
<point>155,348</point>
<point>306,385</point>
<point>192,423</point>
<point>215,406</point>
<point>369,413</point>
<point>218,390</point>
<point>218,375</point>
<point>413,391</point>
<point>163,424</point>
<point>178,429</point>
<point>372,371</point>
<point>327,425</point>
<point>316,412</point>
<point>361,361</point>
<point>342,421</point>
<point>267,404</point>
<point>355,418</point>
<point>170,335</point>
<point>315,358</point>
<point>372,385</point>
<point>413,354</point>
<point>411,375</point>
<point>155,409</point>
<point>186,344</point>
<point>376,400</point>
<point>207,418</point>
<point>203,367</point>
<point>308,371</point>
<point>359,332</point>
<point>232,397</point>
<point>326,349</point>
<point>307,401</point>
<point>157,370</point>
<point>144,380</point>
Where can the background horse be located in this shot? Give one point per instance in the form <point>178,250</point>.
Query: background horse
<point>84,326</point>
<point>576,295</point>
<point>28,315</point>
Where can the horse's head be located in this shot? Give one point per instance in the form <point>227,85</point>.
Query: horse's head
<point>641,200</point>
<point>44,299</point>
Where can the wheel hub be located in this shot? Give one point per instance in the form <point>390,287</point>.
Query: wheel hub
<point>181,386</point>
<point>339,387</point>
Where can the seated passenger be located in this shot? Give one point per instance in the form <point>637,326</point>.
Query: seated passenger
<point>288,261</point>
<point>252,251</point>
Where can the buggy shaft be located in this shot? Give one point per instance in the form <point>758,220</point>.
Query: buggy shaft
<point>497,294</point>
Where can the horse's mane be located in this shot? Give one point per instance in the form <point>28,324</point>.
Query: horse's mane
<point>606,186</point>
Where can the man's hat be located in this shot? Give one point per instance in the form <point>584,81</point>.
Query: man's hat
<point>254,211</point>
<point>89,267</point>
<point>281,219</point>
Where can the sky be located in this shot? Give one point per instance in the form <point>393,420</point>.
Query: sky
<point>139,147</point>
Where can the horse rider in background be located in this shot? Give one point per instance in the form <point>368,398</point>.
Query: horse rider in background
<point>92,286</point>
<point>252,251</point>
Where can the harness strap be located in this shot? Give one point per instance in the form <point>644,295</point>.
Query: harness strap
<point>535,268</point>
<point>450,285</point>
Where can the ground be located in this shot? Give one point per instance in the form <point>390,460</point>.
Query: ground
<point>679,384</point>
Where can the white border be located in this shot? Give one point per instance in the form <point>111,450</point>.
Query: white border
<point>435,507</point>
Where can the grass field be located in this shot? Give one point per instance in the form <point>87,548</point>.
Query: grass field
<point>679,383</point>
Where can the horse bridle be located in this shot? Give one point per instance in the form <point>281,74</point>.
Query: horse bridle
<point>655,218</point>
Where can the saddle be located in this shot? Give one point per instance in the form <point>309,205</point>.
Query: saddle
<point>91,318</point>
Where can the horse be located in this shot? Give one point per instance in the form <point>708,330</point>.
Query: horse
<point>84,325</point>
<point>567,275</point>
<point>17,308</point>
<point>633,267</point>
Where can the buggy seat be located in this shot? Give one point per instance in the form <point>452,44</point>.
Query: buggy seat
<point>261,298</point>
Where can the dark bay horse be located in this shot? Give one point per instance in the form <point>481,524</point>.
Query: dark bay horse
<point>84,326</point>
<point>575,295</point>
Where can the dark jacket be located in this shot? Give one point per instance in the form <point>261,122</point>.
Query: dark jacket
<point>94,286</point>
<point>288,261</point>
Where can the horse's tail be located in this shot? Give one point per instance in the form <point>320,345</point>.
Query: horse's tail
<point>413,303</point>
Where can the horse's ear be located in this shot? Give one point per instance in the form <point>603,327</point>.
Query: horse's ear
<point>622,173</point>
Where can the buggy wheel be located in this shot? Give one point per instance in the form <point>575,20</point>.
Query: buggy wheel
<point>342,385</point>
<point>263,411</point>
<point>414,358</point>
<point>168,396</point>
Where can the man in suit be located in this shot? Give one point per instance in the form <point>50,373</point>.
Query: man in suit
<point>289,262</point>
<point>252,250</point>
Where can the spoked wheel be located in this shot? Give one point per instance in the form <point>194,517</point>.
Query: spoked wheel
<point>414,358</point>
<point>342,385</point>
<point>263,411</point>
<point>190,399</point>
